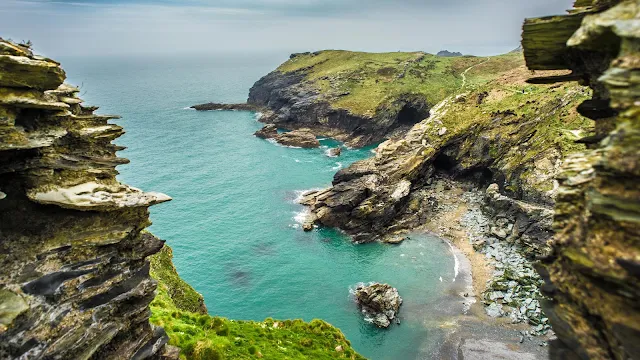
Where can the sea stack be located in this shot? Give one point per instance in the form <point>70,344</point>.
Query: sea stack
<point>379,302</point>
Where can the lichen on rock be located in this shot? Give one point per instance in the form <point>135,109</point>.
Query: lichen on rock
<point>75,279</point>
<point>591,273</point>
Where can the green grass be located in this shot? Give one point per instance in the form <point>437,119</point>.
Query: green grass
<point>545,121</point>
<point>362,83</point>
<point>204,337</point>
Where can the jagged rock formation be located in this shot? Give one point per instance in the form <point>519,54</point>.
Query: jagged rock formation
<point>378,302</point>
<point>358,98</point>
<point>514,138</point>
<point>75,277</point>
<point>593,272</point>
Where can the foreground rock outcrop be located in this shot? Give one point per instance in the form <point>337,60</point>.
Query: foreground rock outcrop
<point>74,278</point>
<point>379,303</point>
<point>592,273</point>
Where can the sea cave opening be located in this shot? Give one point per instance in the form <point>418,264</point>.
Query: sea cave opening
<point>409,115</point>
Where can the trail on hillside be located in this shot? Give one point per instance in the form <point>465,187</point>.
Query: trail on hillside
<point>464,73</point>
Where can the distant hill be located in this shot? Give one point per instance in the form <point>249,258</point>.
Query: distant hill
<point>447,53</point>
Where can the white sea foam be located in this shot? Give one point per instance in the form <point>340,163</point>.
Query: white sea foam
<point>301,216</point>
<point>456,265</point>
<point>301,193</point>
<point>188,108</point>
<point>337,167</point>
<point>258,116</point>
<point>327,152</point>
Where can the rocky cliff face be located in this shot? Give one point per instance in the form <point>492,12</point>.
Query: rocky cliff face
<point>505,132</point>
<point>75,276</point>
<point>593,272</point>
<point>293,103</point>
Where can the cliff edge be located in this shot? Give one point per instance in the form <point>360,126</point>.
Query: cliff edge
<point>75,278</point>
<point>592,274</point>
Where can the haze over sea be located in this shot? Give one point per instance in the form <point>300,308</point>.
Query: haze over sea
<point>232,221</point>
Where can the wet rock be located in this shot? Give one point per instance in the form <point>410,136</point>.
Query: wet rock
<point>298,138</point>
<point>269,131</point>
<point>232,107</point>
<point>379,303</point>
<point>335,152</point>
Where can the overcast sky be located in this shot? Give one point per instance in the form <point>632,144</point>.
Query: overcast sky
<point>102,27</point>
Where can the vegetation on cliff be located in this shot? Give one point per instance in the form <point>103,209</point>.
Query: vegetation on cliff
<point>365,83</point>
<point>179,310</point>
<point>75,281</point>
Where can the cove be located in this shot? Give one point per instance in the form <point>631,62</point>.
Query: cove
<point>233,221</point>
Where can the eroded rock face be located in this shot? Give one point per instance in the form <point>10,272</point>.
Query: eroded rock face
<point>292,103</point>
<point>74,273</point>
<point>379,303</point>
<point>592,273</point>
<point>381,196</point>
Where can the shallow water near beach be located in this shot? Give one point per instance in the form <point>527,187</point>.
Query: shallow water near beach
<point>234,223</point>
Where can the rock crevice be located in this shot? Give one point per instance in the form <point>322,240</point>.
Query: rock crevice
<point>75,279</point>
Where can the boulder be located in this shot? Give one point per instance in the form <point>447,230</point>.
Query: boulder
<point>378,302</point>
<point>269,131</point>
<point>298,138</point>
<point>335,152</point>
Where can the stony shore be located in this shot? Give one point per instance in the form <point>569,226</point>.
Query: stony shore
<point>495,323</point>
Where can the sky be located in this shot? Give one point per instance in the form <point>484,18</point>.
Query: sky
<point>144,27</point>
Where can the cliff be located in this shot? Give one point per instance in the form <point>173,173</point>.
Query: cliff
<point>504,131</point>
<point>361,98</point>
<point>592,274</point>
<point>79,277</point>
<point>75,275</point>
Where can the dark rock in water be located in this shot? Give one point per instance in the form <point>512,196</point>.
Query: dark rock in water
<point>335,152</point>
<point>447,53</point>
<point>380,302</point>
<point>218,106</point>
<point>269,131</point>
<point>299,138</point>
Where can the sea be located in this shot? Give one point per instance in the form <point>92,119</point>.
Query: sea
<point>234,222</point>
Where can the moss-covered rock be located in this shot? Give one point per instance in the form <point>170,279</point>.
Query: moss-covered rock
<point>592,272</point>
<point>516,136</point>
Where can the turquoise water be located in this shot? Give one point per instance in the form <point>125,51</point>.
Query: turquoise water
<point>232,221</point>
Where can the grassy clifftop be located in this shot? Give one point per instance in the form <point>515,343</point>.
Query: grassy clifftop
<point>179,309</point>
<point>362,82</point>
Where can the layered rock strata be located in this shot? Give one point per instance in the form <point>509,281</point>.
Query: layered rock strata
<point>75,276</point>
<point>593,274</point>
<point>516,142</point>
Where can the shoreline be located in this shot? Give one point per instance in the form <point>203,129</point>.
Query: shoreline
<point>473,333</point>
